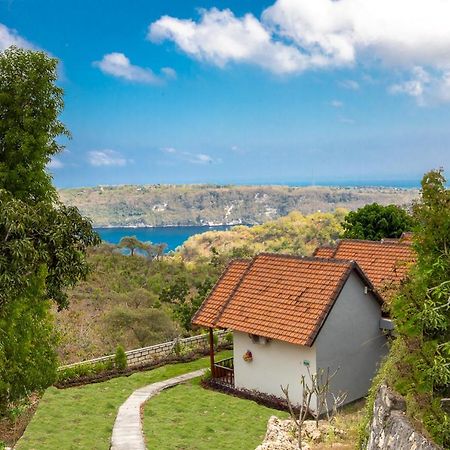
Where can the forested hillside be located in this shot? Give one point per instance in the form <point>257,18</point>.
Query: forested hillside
<point>136,301</point>
<point>172,205</point>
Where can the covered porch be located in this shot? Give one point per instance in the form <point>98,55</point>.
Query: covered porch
<point>222,371</point>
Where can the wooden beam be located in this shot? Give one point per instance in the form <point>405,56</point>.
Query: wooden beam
<point>211,351</point>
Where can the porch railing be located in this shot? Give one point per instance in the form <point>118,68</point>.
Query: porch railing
<point>224,372</point>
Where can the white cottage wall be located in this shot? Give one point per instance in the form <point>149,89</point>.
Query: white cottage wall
<point>275,363</point>
<point>351,339</point>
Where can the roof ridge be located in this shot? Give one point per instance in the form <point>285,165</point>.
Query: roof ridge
<point>305,258</point>
<point>367,241</point>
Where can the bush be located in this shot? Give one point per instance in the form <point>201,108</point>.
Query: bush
<point>83,370</point>
<point>229,338</point>
<point>120,358</point>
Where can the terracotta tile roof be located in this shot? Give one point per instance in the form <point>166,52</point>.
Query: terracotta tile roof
<point>324,252</point>
<point>282,297</point>
<point>219,295</point>
<point>385,263</point>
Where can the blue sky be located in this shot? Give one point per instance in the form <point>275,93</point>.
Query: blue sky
<point>287,91</point>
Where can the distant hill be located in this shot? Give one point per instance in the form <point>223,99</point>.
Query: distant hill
<point>179,205</point>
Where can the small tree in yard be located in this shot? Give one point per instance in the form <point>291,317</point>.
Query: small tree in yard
<point>120,358</point>
<point>318,388</point>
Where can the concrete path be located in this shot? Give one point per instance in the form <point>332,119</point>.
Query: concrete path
<point>127,432</point>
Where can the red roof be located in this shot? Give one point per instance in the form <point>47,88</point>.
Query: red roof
<point>279,296</point>
<point>219,295</point>
<point>384,262</point>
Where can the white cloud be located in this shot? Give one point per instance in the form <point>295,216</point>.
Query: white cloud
<point>55,163</point>
<point>428,88</point>
<point>118,65</point>
<point>10,37</point>
<point>292,36</point>
<point>349,84</point>
<point>336,104</point>
<point>169,73</point>
<point>169,150</point>
<point>220,37</point>
<point>98,158</point>
<point>193,158</point>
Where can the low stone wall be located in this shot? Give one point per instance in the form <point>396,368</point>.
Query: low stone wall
<point>391,429</point>
<point>145,355</point>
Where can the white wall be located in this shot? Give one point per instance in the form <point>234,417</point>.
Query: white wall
<point>274,364</point>
<point>351,339</point>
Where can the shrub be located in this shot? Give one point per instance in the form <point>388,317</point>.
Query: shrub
<point>215,340</point>
<point>229,338</point>
<point>120,358</point>
<point>83,370</point>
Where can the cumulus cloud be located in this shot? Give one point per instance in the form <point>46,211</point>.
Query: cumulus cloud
<point>118,65</point>
<point>292,36</point>
<point>10,37</point>
<point>220,37</point>
<point>108,158</point>
<point>428,88</point>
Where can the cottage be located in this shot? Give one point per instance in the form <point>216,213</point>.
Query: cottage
<point>288,314</point>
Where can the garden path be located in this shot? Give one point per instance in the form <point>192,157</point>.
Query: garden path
<point>127,431</point>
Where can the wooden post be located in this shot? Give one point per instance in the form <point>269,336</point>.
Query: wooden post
<point>211,351</point>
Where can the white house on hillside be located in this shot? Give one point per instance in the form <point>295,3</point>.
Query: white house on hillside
<point>288,313</point>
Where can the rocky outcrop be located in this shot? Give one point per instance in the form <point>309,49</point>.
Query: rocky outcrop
<point>391,429</point>
<point>282,434</point>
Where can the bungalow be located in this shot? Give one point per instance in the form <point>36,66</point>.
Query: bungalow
<point>289,314</point>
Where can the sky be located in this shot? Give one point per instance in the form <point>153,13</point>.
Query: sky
<point>285,91</point>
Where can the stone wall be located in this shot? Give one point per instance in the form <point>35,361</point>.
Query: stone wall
<point>391,429</point>
<point>157,352</point>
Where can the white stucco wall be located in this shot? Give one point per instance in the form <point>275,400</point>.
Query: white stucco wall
<point>274,364</point>
<point>351,339</point>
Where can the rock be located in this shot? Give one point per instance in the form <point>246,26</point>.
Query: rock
<point>282,434</point>
<point>390,429</point>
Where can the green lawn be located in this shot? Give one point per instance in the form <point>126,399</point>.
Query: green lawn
<point>82,418</point>
<point>188,417</point>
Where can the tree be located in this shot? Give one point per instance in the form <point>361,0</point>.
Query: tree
<point>375,222</point>
<point>30,103</point>
<point>27,357</point>
<point>131,243</point>
<point>421,353</point>
<point>43,243</point>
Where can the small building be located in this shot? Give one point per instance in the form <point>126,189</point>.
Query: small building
<point>288,314</point>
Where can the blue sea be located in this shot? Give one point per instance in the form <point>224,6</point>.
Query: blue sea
<point>172,236</point>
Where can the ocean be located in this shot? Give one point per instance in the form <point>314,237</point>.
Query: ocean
<point>172,236</point>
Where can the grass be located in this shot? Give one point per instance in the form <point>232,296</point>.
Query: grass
<point>83,417</point>
<point>188,417</point>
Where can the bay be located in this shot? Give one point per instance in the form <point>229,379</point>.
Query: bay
<point>172,236</point>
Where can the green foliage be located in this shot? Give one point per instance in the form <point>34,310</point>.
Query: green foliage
<point>30,103</point>
<point>27,358</point>
<point>120,358</point>
<point>129,301</point>
<point>83,370</point>
<point>43,242</point>
<point>294,234</point>
<point>420,360</point>
<point>148,325</point>
<point>375,222</point>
